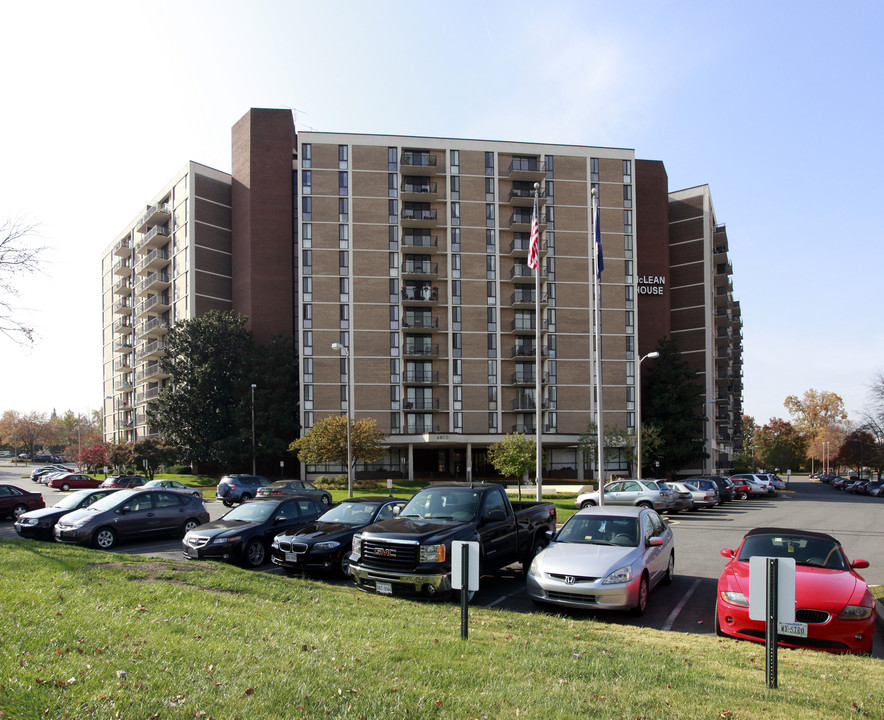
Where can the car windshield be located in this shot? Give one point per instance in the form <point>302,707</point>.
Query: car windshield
<point>804,549</point>
<point>70,502</point>
<point>350,513</point>
<point>252,511</point>
<point>651,485</point>
<point>110,501</point>
<point>443,504</point>
<point>690,487</point>
<point>600,530</point>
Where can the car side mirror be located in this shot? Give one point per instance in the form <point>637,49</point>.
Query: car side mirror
<point>125,509</point>
<point>396,510</point>
<point>551,534</point>
<point>278,520</point>
<point>728,553</point>
<point>859,564</point>
<point>655,542</point>
<point>494,515</point>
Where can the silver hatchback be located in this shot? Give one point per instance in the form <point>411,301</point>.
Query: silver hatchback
<point>641,493</point>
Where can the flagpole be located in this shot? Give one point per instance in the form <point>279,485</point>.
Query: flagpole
<point>596,246</point>
<point>538,388</point>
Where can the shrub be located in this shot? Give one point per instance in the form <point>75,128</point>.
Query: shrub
<point>179,470</point>
<point>339,482</point>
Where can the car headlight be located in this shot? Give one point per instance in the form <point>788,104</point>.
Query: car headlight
<point>734,598</point>
<point>855,612</point>
<point>622,575</point>
<point>74,524</point>
<point>357,544</point>
<point>275,543</point>
<point>27,522</point>
<point>226,540</point>
<point>326,546</point>
<point>432,553</point>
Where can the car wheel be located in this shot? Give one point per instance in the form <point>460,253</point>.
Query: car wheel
<point>718,630</point>
<point>344,564</point>
<point>670,570</point>
<point>254,554</point>
<point>105,538</point>
<point>65,487</point>
<point>227,503</point>
<point>244,497</point>
<point>643,589</point>
<point>325,500</point>
<point>536,547</point>
<point>18,511</point>
<point>189,524</point>
<point>587,503</point>
<point>198,495</point>
<point>648,505</point>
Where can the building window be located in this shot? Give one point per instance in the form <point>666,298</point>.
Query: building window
<point>455,292</point>
<point>306,155</point>
<point>394,264</point>
<point>548,190</point>
<point>307,208</point>
<point>307,367</point>
<point>627,246</point>
<point>307,316</point>
<point>489,163</point>
<point>392,159</point>
<point>455,265</point>
<point>307,235</point>
<point>627,221</point>
<point>630,398</point>
<point>393,185</point>
<point>492,372</point>
<point>454,161</point>
<point>630,296</point>
<point>307,397</point>
<point>307,289</point>
<point>489,214</point>
<point>455,239</point>
<point>457,370</point>
<point>594,169</point>
<point>491,290</point>
<point>307,182</point>
<point>456,314</point>
<point>627,196</point>
<point>394,344</point>
<point>343,236</point>
<point>394,396</point>
<point>393,237</point>
<point>343,183</point>
<point>627,271</point>
<point>344,289</point>
<point>492,397</point>
<point>455,187</point>
<point>630,373</point>
<point>492,345</point>
<point>490,242</point>
<point>394,317</point>
<point>489,189</point>
<point>492,422</point>
<point>630,322</point>
<point>491,319</point>
<point>308,342</point>
<point>627,171</point>
<point>342,157</point>
<point>343,210</point>
<point>630,347</point>
<point>393,212</point>
<point>343,262</point>
<point>394,291</point>
<point>456,344</point>
<point>550,217</point>
<point>344,316</point>
<point>455,213</point>
<point>458,422</point>
<point>394,370</point>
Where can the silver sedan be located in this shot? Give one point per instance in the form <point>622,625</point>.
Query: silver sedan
<point>642,493</point>
<point>604,558</point>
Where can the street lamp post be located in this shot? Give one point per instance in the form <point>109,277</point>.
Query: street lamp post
<point>253,428</point>
<point>638,413</point>
<point>346,351</point>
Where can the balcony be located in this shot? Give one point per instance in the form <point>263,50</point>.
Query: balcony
<point>156,281</point>
<point>155,327</point>
<point>417,188</point>
<point>124,385</point>
<point>151,393</point>
<point>526,350</point>
<point>122,346</point>
<point>523,325</point>
<point>421,405</point>
<point>418,217</point>
<point>123,366</point>
<point>528,169</point>
<point>420,293</point>
<point>156,237</point>
<point>123,266</point>
<point>522,194</point>
<point>123,247</point>
<point>524,427</point>
<point>523,378</point>
<point>520,221</point>
<point>522,273</point>
<point>418,427</point>
<point>155,304</point>
<point>152,350</point>
<point>123,307</point>
<point>155,260</point>
<point>417,242</point>
<point>155,215</point>
<point>123,325</point>
<point>420,323</point>
<point>420,162</point>
<point>150,373</point>
<point>422,377</point>
<point>424,350</point>
<point>416,269</point>
<point>123,287</point>
<point>525,297</point>
<point>521,245</point>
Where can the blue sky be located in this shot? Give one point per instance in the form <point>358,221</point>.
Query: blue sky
<point>777,106</point>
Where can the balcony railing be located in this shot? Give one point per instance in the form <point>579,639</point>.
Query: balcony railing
<point>420,322</point>
<point>422,377</point>
<point>123,247</point>
<point>419,241</point>
<point>156,280</point>
<point>416,404</point>
<point>520,378</point>
<point>420,268</point>
<point>155,215</point>
<point>153,260</point>
<point>420,293</point>
<point>421,349</point>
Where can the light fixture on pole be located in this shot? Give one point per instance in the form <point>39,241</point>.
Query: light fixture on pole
<point>638,413</point>
<point>343,348</point>
<point>253,428</point>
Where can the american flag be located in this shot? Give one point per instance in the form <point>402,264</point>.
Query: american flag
<point>534,245</point>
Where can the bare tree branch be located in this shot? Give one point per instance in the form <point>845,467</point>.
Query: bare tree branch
<point>18,256</point>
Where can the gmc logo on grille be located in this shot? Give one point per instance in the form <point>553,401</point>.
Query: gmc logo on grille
<point>385,552</point>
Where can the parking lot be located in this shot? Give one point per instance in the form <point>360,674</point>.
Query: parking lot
<point>688,604</point>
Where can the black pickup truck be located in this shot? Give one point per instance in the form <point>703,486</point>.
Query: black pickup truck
<point>410,555</point>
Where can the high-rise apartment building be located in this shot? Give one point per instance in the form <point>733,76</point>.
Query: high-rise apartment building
<point>412,254</point>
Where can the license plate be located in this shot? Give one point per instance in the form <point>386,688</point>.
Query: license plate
<point>384,588</point>
<point>794,629</point>
<point>291,557</point>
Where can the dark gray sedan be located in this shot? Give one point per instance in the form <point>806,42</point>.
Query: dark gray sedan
<point>290,488</point>
<point>132,514</point>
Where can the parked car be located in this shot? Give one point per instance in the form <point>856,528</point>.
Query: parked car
<point>282,488</point>
<point>129,515</point>
<point>643,493</point>
<point>174,485</point>
<point>681,497</point>
<point>244,534</point>
<point>604,558</point>
<point>411,554</point>
<point>40,524</point>
<point>239,488</point>
<point>14,501</point>
<point>741,488</point>
<point>325,544</point>
<point>831,598</point>
<point>124,481</point>
<point>759,485</point>
<point>724,486</point>
<point>876,489</point>
<point>701,497</point>
<point>66,481</point>
<point>39,472</point>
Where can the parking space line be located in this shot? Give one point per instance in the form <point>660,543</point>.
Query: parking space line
<point>674,614</point>
<point>504,597</point>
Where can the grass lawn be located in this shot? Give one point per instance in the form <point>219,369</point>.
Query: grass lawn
<point>86,634</point>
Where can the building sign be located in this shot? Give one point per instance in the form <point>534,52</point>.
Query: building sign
<point>651,284</point>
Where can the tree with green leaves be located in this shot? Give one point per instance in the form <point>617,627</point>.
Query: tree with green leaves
<point>326,442</point>
<point>150,453</point>
<point>515,456</point>
<point>819,416</point>
<point>619,442</point>
<point>779,446</point>
<point>673,400</point>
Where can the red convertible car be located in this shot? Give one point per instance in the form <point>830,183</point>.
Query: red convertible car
<point>830,597</point>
